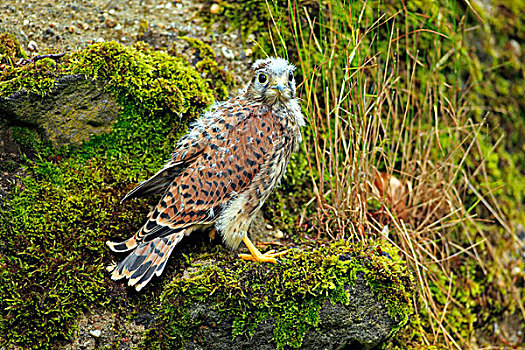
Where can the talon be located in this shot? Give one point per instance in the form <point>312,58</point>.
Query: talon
<point>256,255</point>
<point>281,253</point>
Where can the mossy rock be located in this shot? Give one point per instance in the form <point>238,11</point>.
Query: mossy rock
<point>363,323</point>
<point>70,99</point>
<point>73,111</point>
<point>330,296</point>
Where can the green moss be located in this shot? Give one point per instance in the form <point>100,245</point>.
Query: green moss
<point>8,166</point>
<point>269,22</point>
<point>25,137</point>
<point>37,77</point>
<point>290,292</point>
<point>217,78</point>
<point>10,50</point>
<point>248,16</point>
<point>150,80</point>
<point>53,229</point>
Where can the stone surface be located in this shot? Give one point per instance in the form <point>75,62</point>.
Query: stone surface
<point>76,109</point>
<point>362,324</point>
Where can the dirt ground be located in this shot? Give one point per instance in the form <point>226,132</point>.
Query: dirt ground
<point>44,27</point>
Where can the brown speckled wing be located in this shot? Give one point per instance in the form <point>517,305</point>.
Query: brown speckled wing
<point>158,183</point>
<point>236,147</point>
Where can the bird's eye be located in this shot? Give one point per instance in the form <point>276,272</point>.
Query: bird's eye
<point>262,78</point>
<point>290,77</point>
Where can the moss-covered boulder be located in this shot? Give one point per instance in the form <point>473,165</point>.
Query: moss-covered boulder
<point>75,109</point>
<point>333,296</point>
<point>67,100</point>
<point>71,99</point>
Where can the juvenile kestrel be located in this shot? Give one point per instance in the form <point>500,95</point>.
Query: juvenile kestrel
<point>220,174</point>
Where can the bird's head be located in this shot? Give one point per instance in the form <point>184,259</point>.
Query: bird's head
<point>272,81</point>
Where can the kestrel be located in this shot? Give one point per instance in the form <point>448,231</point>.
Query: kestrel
<point>220,174</point>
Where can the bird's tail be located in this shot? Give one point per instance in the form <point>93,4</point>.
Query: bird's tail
<point>126,245</point>
<point>147,259</point>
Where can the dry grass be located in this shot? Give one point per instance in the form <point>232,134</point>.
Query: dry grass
<point>390,154</point>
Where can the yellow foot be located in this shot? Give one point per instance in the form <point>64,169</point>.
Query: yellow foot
<point>269,256</point>
<point>256,255</point>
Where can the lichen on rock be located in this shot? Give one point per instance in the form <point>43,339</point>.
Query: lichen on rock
<point>74,110</point>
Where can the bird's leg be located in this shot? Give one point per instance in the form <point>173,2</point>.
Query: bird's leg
<point>256,255</point>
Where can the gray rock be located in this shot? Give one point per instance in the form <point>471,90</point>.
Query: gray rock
<point>76,109</point>
<point>362,324</point>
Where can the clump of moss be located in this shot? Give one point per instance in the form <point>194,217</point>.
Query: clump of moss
<point>37,77</point>
<point>150,80</point>
<point>10,50</point>
<point>217,78</point>
<point>290,292</point>
<point>245,16</point>
<point>25,137</point>
<point>53,229</point>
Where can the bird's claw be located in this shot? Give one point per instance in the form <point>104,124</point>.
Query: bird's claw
<point>269,256</point>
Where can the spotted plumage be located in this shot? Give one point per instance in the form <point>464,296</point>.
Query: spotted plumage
<point>220,174</point>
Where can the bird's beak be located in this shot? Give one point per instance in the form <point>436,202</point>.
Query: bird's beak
<point>280,84</point>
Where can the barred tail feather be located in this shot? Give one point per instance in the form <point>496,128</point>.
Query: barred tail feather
<point>148,259</point>
<point>133,242</point>
<point>123,246</point>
